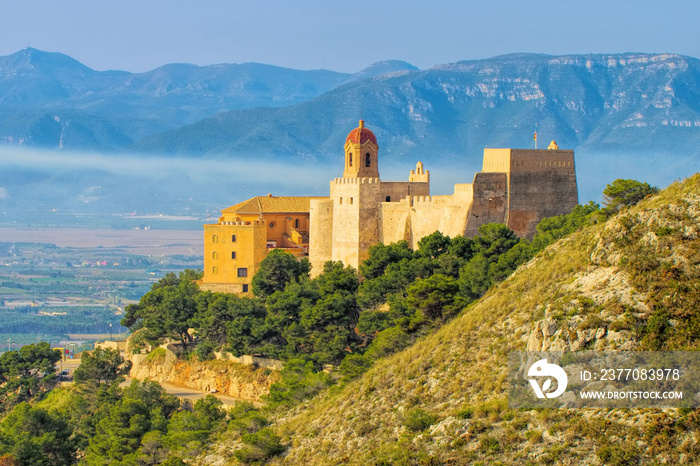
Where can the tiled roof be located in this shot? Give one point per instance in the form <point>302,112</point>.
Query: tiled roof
<point>360,135</point>
<point>270,204</point>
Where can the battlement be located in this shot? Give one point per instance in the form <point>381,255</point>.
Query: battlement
<point>363,180</point>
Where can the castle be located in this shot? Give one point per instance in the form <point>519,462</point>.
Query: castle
<point>517,187</point>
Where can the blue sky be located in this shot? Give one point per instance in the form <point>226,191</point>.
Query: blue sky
<point>344,36</point>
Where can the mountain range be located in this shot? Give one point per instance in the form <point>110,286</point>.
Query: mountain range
<point>630,115</point>
<point>51,100</point>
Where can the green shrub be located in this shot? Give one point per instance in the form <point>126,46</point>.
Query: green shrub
<point>205,351</point>
<point>354,365</point>
<point>465,413</point>
<point>489,445</point>
<point>260,446</point>
<point>623,454</point>
<point>417,420</point>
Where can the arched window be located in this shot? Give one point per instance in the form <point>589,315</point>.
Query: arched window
<point>350,160</point>
<point>296,223</point>
<point>215,270</point>
<point>215,239</point>
<point>233,254</point>
<point>233,238</point>
<point>368,160</point>
<point>350,200</point>
<point>388,199</point>
<point>341,200</point>
<point>214,255</point>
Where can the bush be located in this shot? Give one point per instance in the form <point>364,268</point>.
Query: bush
<point>354,366</point>
<point>205,351</point>
<point>619,455</point>
<point>260,446</point>
<point>417,420</point>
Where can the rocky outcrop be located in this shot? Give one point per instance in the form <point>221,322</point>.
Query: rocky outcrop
<point>246,382</point>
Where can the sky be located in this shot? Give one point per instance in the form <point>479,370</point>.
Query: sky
<point>140,35</point>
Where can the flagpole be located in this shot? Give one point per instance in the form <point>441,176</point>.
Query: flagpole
<point>535,135</point>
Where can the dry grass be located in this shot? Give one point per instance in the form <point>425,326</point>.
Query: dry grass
<point>458,374</point>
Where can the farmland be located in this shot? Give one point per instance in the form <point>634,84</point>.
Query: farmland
<point>62,285</point>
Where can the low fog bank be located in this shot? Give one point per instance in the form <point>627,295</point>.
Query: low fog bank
<point>40,187</point>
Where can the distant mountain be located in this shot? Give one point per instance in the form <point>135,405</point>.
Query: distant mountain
<point>611,102</point>
<point>626,115</point>
<point>111,109</point>
<point>629,115</point>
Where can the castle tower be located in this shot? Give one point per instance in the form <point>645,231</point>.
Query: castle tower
<point>361,154</point>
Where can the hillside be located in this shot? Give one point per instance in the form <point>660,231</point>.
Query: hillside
<point>51,100</point>
<point>631,282</point>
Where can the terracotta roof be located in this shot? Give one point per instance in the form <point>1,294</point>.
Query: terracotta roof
<point>269,204</point>
<point>360,135</point>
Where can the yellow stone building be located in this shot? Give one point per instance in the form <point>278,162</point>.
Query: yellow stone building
<point>517,187</point>
<point>235,245</point>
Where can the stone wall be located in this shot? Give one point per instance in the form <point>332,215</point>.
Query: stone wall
<point>542,184</point>
<point>320,234</point>
<point>397,190</point>
<point>490,201</point>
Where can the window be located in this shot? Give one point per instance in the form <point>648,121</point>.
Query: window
<point>214,255</point>
<point>341,200</point>
<point>233,238</point>
<point>350,160</point>
<point>388,199</point>
<point>215,238</point>
<point>368,160</point>
<point>233,254</point>
<point>350,200</point>
<point>215,270</point>
<point>296,223</point>
<point>272,224</point>
<point>245,288</point>
<point>242,272</point>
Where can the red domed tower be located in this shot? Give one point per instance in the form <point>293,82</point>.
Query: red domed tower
<point>361,153</point>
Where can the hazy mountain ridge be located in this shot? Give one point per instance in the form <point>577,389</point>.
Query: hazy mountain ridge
<point>40,85</point>
<point>607,102</point>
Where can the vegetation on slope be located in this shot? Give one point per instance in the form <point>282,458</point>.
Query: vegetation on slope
<point>443,400</point>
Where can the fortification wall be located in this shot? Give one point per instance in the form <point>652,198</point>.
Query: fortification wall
<point>542,184</point>
<point>320,234</point>
<point>397,190</point>
<point>490,200</point>
<point>437,213</point>
<point>395,218</point>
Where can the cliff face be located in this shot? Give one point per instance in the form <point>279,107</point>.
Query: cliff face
<point>228,378</point>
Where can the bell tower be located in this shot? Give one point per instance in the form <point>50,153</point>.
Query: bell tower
<point>361,154</point>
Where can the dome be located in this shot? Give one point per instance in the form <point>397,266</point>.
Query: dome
<point>360,135</point>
